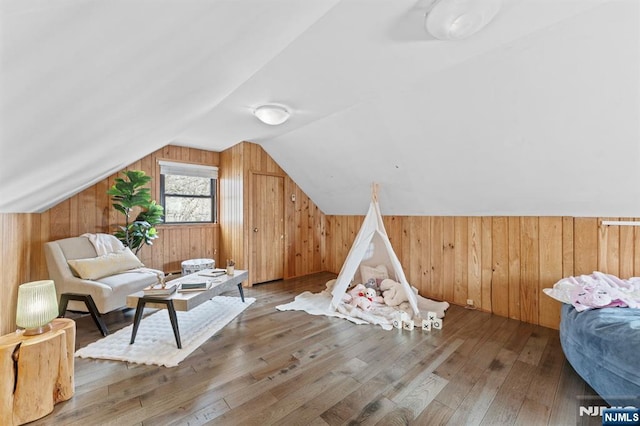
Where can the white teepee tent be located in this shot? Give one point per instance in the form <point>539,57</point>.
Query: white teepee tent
<point>372,248</point>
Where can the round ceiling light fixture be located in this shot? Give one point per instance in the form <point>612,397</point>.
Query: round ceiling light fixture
<point>272,114</point>
<point>459,19</point>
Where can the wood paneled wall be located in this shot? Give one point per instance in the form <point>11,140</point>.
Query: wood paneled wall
<point>233,207</point>
<point>304,222</point>
<point>91,211</point>
<point>22,237</point>
<point>501,263</point>
<point>304,233</point>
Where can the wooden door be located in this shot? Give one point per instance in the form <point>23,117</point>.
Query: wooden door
<point>267,228</point>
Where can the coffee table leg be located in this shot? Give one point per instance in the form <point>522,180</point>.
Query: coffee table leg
<point>136,319</point>
<point>241,292</point>
<point>174,322</point>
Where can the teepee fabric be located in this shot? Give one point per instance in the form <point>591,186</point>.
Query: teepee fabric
<point>372,248</point>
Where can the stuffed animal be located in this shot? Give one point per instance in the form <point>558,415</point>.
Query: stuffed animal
<point>373,296</point>
<point>357,296</point>
<point>393,292</point>
<point>395,295</point>
<point>373,283</point>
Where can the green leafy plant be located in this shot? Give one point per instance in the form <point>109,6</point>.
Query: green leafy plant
<point>130,195</point>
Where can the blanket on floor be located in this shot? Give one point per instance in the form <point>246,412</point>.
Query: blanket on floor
<point>320,304</point>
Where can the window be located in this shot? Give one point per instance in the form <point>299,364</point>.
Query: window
<point>188,192</point>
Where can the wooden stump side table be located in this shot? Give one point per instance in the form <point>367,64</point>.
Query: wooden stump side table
<point>36,372</point>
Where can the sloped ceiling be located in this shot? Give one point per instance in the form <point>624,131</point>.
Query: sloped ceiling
<point>538,114</point>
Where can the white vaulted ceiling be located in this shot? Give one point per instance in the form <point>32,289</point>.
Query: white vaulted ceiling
<point>537,114</point>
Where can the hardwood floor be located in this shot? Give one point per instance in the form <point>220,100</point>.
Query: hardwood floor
<point>292,368</point>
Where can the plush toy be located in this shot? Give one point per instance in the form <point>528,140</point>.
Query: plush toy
<point>357,296</point>
<point>393,292</point>
<point>373,283</point>
<point>395,295</point>
<point>373,296</point>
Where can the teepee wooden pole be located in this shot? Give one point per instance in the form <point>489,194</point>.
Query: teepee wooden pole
<point>374,191</point>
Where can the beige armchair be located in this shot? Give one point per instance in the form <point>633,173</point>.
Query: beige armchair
<point>87,282</point>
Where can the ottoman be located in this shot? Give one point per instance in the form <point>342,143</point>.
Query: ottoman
<point>192,266</point>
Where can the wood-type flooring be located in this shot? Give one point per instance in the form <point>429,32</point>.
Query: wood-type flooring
<point>291,368</point>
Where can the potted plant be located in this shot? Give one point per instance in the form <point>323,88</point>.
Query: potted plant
<point>129,195</point>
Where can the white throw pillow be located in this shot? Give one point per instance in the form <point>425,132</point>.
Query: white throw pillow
<point>106,265</point>
<point>378,273</point>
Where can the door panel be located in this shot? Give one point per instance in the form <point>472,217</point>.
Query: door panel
<point>267,229</point>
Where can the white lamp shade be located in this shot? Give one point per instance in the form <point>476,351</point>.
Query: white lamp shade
<point>459,19</point>
<point>37,304</point>
<point>272,114</point>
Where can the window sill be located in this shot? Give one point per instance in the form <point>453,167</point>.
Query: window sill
<point>186,225</point>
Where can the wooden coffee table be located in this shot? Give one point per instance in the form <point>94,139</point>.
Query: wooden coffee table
<point>183,301</point>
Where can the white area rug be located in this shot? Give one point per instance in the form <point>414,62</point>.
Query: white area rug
<point>320,304</point>
<point>155,342</point>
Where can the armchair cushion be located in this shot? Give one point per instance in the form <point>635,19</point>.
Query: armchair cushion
<point>93,268</point>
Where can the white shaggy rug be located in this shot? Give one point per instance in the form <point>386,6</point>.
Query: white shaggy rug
<point>320,304</point>
<point>155,342</point>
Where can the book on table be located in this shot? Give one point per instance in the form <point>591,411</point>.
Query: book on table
<point>212,272</point>
<point>159,290</point>
<point>194,285</point>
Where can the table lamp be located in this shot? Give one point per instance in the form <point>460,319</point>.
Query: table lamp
<point>37,306</point>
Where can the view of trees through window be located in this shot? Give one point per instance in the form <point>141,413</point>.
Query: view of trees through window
<point>188,199</point>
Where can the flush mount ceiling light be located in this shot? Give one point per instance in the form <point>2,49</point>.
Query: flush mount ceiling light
<point>272,114</point>
<point>459,19</point>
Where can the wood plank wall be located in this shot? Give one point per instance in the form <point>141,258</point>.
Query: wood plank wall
<point>22,237</point>
<point>232,206</point>
<point>304,233</point>
<point>91,211</point>
<point>501,263</point>
<point>304,222</point>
